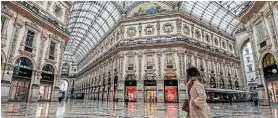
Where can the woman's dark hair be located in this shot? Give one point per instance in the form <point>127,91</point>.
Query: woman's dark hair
<point>192,72</point>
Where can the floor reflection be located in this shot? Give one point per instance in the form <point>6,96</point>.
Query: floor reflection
<point>133,109</point>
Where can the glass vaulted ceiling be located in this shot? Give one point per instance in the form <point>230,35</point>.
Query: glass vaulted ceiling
<point>91,20</point>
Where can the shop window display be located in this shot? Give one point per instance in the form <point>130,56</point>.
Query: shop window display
<point>170,88</point>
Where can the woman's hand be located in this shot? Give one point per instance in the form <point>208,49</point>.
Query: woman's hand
<point>195,106</point>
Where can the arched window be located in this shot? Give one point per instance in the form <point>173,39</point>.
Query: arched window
<point>212,83</point>
<point>150,62</point>
<point>130,63</point>
<point>24,62</point>
<point>268,60</point>
<point>23,67</point>
<point>48,69</point>
<point>65,69</point>
<point>170,61</point>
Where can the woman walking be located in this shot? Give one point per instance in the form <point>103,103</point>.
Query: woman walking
<point>198,107</point>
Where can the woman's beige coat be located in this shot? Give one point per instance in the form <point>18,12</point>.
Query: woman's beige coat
<point>198,96</point>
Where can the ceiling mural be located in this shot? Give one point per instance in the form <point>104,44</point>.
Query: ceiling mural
<point>149,8</point>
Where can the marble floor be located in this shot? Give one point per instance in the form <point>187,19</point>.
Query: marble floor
<point>99,109</point>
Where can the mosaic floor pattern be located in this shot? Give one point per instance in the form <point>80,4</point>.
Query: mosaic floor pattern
<point>99,109</point>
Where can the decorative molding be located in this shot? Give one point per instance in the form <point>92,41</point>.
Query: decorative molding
<point>131,31</point>
<point>168,28</point>
<point>28,54</point>
<point>149,29</point>
<point>33,25</point>
<point>149,51</point>
<point>179,25</point>
<point>55,37</point>
<point>5,10</point>
<point>186,29</point>
<point>13,43</point>
<point>50,61</point>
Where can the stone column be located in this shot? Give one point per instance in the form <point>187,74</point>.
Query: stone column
<point>121,82</point>
<point>181,80</point>
<point>160,80</point>
<point>35,86</point>
<point>55,89</point>
<point>140,81</point>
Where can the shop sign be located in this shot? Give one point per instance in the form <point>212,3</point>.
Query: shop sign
<point>149,83</point>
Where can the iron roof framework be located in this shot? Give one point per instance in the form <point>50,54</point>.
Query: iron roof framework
<point>91,20</point>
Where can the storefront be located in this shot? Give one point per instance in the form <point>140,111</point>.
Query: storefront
<point>130,90</point>
<point>21,79</point>
<point>170,88</point>
<point>150,93</point>
<point>46,83</point>
<point>271,77</point>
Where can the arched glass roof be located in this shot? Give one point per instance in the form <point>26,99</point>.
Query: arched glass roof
<point>223,15</point>
<point>91,20</point>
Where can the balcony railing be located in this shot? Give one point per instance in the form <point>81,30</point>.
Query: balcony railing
<point>43,16</point>
<point>28,49</point>
<point>225,86</point>
<point>174,40</point>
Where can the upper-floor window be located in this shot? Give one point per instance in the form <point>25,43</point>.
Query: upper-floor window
<point>58,10</point>
<point>260,31</point>
<point>248,59</point>
<point>3,19</point>
<point>29,41</point>
<point>216,41</point>
<point>52,50</point>
<point>65,69</point>
<point>249,68</point>
<point>130,63</point>
<point>246,51</point>
<point>207,38</point>
<point>224,44</point>
<point>169,61</point>
<point>150,62</point>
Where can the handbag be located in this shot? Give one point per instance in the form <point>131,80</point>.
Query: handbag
<point>185,106</point>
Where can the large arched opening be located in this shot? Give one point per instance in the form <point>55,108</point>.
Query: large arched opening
<point>21,79</point>
<point>270,71</point>
<point>248,65</point>
<point>46,83</point>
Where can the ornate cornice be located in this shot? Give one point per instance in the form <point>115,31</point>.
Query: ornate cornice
<point>29,54</point>
<point>5,10</point>
<point>50,61</point>
<point>44,36</point>
<point>33,25</point>
<point>55,37</point>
